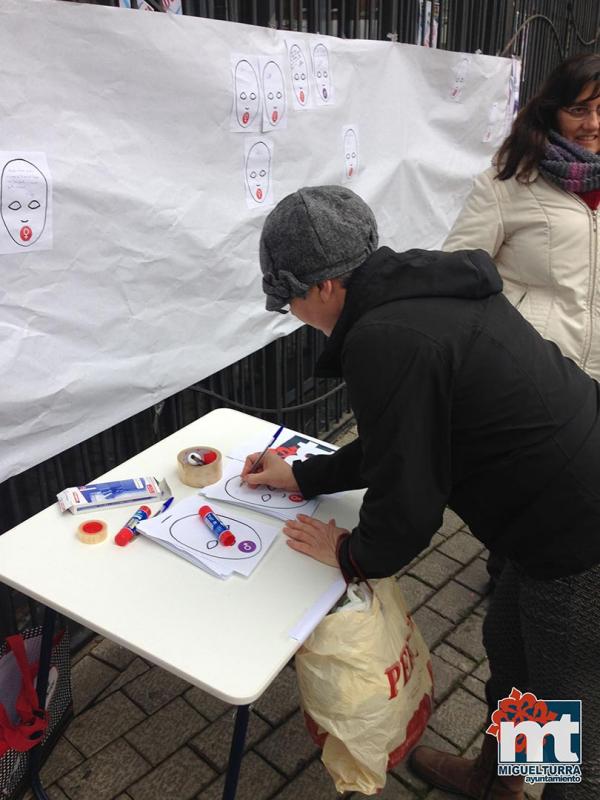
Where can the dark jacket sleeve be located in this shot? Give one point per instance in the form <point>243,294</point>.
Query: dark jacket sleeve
<point>399,382</point>
<point>337,472</point>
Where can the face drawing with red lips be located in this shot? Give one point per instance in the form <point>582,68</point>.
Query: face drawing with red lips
<point>258,171</point>
<point>350,153</point>
<point>274,92</point>
<point>247,96</point>
<point>299,74</point>
<point>321,68</point>
<point>23,201</point>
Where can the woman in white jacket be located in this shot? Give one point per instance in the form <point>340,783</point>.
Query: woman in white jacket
<point>535,211</point>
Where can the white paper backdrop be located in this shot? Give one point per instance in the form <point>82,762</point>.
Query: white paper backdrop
<point>152,281</point>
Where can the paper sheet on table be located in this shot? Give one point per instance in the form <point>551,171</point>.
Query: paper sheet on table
<point>306,624</point>
<point>274,502</point>
<point>181,530</point>
<point>290,445</point>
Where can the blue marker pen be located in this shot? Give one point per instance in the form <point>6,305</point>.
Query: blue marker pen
<point>221,531</point>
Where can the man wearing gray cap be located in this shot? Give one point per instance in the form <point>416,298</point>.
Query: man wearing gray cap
<point>459,402</point>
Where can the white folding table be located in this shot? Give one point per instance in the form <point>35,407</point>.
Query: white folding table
<point>229,637</point>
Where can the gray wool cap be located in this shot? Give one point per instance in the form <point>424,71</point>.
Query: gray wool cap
<point>316,233</point>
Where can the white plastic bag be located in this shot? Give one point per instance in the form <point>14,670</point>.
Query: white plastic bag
<point>366,686</point>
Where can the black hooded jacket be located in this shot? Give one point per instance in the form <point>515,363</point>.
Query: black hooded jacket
<point>459,402</point>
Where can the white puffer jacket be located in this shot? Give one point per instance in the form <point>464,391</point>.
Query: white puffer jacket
<point>545,244</point>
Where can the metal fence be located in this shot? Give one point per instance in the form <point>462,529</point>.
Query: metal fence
<point>276,383</point>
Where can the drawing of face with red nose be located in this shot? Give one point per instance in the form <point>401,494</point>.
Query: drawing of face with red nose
<point>23,201</point>
<point>274,92</point>
<point>321,68</point>
<point>299,74</point>
<point>247,98</point>
<point>258,171</point>
<point>350,153</point>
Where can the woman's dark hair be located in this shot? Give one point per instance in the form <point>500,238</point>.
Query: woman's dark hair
<point>523,149</point>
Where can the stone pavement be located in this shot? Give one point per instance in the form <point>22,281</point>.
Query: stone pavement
<point>140,733</point>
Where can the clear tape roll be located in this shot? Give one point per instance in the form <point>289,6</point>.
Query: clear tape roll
<point>92,531</point>
<point>199,475</point>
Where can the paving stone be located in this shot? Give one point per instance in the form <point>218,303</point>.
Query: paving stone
<point>459,718</point>
<point>207,705</point>
<point>415,592</point>
<point>452,523</point>
<point>483,671</point>
<point>454,601</point>
<point>113,654</point>
<point>56,793</point>
<point>313,783</point>
<point>155,689</point>
<point>101,724</point>
<point>454,657</point>
<point>462,546</point>
<point>258,781</point>
<point>483,606</point>
<point>435,569</point>
<point>214,742</point>
<point>445,676</point>
<point>475,686</point>
<point>63,758</point>
<point>402,771</point>
<point>474,748</point>
<point>137,667</point>
<point>106,774</point>
<point>433,627</point>
<point>89,677</point>
<point>289,747</point>
<point>475,576</point>
<point>280,699</point>
<point>468,638</point>
<point>85,650</point>
<point>164,732</point>
<point>180,777</point>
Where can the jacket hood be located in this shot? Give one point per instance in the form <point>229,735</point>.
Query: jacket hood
<point>386,277</point>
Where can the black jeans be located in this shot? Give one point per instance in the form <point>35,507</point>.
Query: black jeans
<point>544,637</point>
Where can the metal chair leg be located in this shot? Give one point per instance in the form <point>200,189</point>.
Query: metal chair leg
<point>236,752</point>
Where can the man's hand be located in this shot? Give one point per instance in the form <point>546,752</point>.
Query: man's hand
<point>272,471</point>
<point>314,538</point>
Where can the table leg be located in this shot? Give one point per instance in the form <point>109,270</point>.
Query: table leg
<point>42,686</point>
<point>236,752</point>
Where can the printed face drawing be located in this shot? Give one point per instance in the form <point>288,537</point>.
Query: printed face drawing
<point>23,201</point>
<point>193,533</point>
<point>321,67</point>
<point>261,496</point>
<point>299,74</point>
<point>274,92</point>
<point>350,153</point>
<point>258,171</point>
<point>460,75</point>
<point>247,97</point>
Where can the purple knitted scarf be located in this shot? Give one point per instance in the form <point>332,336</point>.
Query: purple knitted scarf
<point>570,166</point>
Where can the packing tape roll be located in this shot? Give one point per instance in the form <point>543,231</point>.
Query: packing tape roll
<point>92,531</point>
<point>199,475</point>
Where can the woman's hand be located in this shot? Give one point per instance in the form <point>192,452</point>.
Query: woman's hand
<point>272,471</point>
<point>314,538</point>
